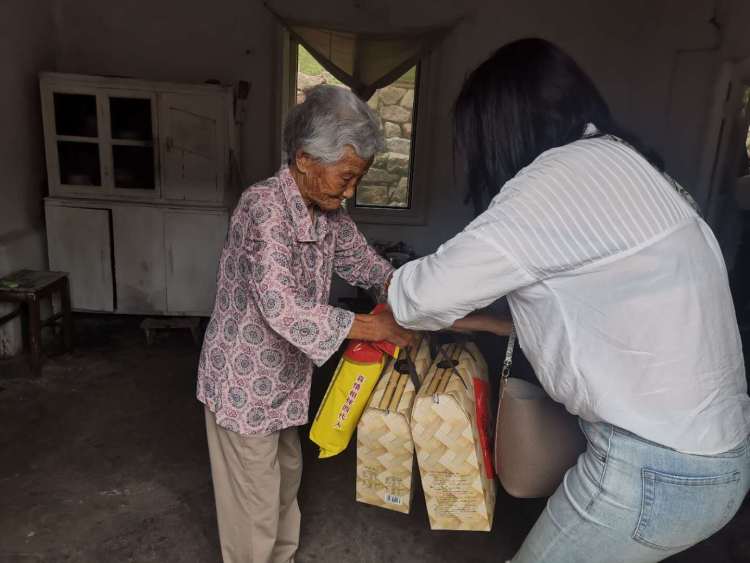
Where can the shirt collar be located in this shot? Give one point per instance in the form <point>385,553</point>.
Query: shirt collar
<point>304,230</point>
<point>590,130</point>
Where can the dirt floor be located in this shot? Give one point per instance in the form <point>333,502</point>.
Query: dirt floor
<point>104,460</point>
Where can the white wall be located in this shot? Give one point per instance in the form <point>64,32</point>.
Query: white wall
<point>630,48</point>
<point>737,20</point>
<point>654,60</point>
<point>27,45</point>
<point>645,55</point>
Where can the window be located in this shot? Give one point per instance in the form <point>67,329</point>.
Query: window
<point>388,193</point>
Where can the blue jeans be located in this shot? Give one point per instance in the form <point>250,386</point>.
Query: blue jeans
<point>631,500</point>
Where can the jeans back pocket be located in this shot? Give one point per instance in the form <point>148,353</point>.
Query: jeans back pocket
<point>679,511</point>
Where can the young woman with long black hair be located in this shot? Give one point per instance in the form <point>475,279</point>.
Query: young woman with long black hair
<point>620,298</point>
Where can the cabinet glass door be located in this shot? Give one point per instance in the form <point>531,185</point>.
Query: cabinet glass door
<point>132,131</point>
<point>77,136</point>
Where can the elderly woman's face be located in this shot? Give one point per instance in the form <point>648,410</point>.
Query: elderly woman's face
<point>328,185</point>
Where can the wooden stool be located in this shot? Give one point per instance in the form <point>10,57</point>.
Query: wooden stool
<point>150,325</point>
<point>28,288</point>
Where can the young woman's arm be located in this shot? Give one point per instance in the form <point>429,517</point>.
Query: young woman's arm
<point>465,274</point>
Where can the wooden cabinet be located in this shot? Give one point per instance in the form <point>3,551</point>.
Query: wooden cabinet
<point>141,183</point>
<point>139,259</point>
<point>81,247</point>
<point>192,147</point>
<point>119,138</point>
<point>190,238</point>
<point>161,260</point>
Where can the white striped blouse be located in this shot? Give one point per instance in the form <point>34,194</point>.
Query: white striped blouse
<point>617,288</point>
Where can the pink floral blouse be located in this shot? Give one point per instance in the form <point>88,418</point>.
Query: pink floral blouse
<point>271,319</point>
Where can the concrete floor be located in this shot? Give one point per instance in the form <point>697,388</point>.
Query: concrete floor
<point>103,459</point>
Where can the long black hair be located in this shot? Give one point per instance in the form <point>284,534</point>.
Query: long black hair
<point>528,97</point>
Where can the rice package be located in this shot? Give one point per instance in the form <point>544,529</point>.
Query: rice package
<point>450,426</point>
<point>385,450</point>
<point>348,393</point>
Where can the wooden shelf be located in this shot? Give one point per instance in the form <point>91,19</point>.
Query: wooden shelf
<point>76,139</point>
<point>131,143</point>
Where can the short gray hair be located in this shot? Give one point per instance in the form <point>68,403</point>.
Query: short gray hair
<point>330,118</point>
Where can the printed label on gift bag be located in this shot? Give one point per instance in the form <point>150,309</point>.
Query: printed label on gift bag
<point>452,493</point>
<point>396,490</point>
<point>392,499</point>
<point>349,402</point>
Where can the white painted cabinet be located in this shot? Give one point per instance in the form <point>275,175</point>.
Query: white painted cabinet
<point>193,244</point>
<point>139,259</point>
<point>164,259</point>
<point>120,138</point>
<point>141,179</point>
<point>192,145</point>
<point>80,245</point>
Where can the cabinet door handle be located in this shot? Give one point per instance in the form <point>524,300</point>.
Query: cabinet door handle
<point>169,143</point>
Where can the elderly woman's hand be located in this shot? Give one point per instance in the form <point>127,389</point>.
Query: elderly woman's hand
<point>380,326</point>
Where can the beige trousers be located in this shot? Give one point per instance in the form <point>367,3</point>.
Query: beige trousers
<point>256,479</point>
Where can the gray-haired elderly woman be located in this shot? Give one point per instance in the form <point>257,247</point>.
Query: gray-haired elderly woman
<point>272,320</point>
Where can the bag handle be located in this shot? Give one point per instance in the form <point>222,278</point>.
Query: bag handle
<point>505,373</point>
<point>405,364</point>
<point>459,344</point>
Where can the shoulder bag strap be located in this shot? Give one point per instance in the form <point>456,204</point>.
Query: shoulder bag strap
<point>505,373</point>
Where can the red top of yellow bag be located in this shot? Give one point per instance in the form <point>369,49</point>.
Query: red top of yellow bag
<point>364,352</point>
<point>348,393</point>
<point>369,352</point>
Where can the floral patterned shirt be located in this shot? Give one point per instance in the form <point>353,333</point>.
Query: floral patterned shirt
<point>271,319</point>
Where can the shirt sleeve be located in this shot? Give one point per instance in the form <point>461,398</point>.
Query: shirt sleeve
<point>465,274</point>
<point>355,261</point>
<point>289,307</point>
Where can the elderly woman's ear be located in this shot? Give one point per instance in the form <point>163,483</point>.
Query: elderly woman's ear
<point>303,161</point>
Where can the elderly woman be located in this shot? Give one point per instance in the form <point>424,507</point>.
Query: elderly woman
<point>272,320</point>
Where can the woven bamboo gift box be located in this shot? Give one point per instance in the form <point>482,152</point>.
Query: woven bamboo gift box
<point>450,427</point>
<point>385,450</point>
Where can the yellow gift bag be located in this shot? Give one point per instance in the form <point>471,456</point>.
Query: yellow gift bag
<point>348,393</point>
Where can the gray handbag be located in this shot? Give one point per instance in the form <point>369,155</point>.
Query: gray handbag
<point>536,439</point>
